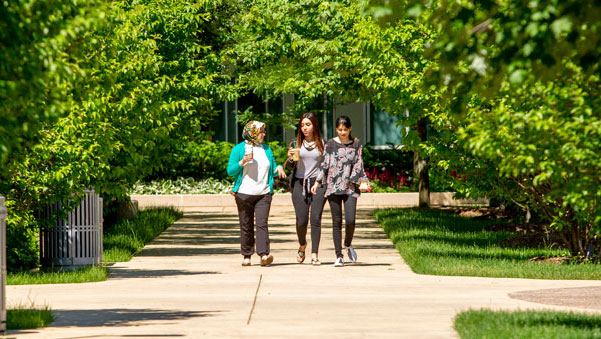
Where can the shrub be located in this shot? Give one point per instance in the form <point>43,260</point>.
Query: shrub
<point>22,246</point>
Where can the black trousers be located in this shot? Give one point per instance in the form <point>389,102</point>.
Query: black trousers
<point>350,209</point>
<point>302,204</point>
<point>251,208</point>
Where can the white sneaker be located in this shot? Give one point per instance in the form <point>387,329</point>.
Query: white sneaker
<point>339,262</point>
<point>352,254</point>
<point>266,260</point>
<point>246,262</point>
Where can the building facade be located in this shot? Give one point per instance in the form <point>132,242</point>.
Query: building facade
<point>373,126</point>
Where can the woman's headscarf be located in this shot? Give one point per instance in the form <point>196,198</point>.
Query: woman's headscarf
<point>251,131</point>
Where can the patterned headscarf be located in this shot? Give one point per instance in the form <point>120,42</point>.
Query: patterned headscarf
<point>251,132</point>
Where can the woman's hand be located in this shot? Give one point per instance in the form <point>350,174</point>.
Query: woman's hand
<point>247,158</point>
<point>315,187</point>
<point>364,187</point>
<point>290,153</point>
<point>281,172</point>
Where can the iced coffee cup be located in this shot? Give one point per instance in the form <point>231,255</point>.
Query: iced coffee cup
<point>296,154</point>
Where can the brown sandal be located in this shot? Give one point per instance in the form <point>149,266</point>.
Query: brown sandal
<point>300,256</point>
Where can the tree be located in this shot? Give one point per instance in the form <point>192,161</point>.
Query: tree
<point>150,76</point>
<point>39,43</point>
<point>313,48</point>
<point>524,79</point>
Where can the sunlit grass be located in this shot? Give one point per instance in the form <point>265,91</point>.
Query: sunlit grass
<point>22,317</point>
<point>121,242</point>
<point>128,237</point>
<point>441,243</point>
<point>87,274</point>
<point>526,324</point>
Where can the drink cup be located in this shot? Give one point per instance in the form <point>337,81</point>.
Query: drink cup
<point>296,154</point>
<point>248,149</point>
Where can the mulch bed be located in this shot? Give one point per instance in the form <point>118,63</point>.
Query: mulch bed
<point>584,297</point>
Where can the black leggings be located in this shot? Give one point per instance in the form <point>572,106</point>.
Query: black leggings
<point>301,206</point>
<point>350,208</point>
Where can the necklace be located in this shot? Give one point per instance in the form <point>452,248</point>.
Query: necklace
<point>309,145</point>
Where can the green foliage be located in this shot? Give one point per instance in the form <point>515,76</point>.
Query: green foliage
<point>206,160</point>
<point>283,47</point>
<point>526,324</point>
<point>41,44</point>
<point>280,151</point>
<point>22,246</point>
<point>128,237</point>
<point>522,83</point>
<point>440,243</point>
<point>183,186</point>
<point>485,45</point>
<point>318,50</point>
<point>546,141</point>
<point>383,159</point>
<point>201,160</point>
<point>109,99</point>
<point>48,276</point>
<point>28,318</point>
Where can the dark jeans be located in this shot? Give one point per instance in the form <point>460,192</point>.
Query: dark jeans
<point>301,207</point>
<point>350,208</point>
<point>249,208</point>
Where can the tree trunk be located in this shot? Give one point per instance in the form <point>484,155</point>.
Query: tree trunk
<point>420,167</point>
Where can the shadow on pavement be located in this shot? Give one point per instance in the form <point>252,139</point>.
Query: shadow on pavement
<point>121,316</point>
<point>185,251</point>
<point>117,273</point>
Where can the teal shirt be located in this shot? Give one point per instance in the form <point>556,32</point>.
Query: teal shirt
<point>235,170</point>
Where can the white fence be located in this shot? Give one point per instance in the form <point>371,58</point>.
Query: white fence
<point>2,267</point>
<point>76,240</point>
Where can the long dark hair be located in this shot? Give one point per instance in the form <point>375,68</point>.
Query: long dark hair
<point>316,131</point>
<point>346,121</point>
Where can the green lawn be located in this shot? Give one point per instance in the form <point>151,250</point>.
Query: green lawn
<point>25,318</point>
<point>527,324</point>
<point>121,242</point>
<point>440,243</point>
<point>128,237</point>
<point>87,274</point>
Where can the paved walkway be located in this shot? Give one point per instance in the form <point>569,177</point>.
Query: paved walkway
<point>189,283</point>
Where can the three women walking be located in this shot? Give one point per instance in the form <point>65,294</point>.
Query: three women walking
<point>333,171</point>
<point>253,165</point>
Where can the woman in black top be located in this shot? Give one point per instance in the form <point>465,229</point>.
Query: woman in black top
<point>344,177</point>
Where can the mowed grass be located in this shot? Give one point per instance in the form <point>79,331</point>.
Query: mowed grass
<point>87,274</point>
<point>438,242</point>
<point>121,242</point>
<point>25,318</point>
<point>526,324</point>
<point>128,237</point>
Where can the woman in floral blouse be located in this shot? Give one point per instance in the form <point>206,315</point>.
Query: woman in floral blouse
<point>342,173</point>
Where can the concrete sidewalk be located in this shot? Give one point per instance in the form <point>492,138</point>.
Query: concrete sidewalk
<point>189,283</point>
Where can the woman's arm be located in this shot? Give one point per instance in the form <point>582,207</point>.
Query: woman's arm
<point>233,165</point>
<point>358,172</point>
<point>322,174</point>
<point>278,169</point>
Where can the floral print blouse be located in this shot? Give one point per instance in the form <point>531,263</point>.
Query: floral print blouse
<point>341,169</point>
